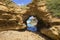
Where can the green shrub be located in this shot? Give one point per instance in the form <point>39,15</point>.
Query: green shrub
<point>54,7</point>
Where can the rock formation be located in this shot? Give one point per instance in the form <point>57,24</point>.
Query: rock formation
<point>15,35</point>
<point>38,9</point>
<point>12,17</point>
<point>54,31</point>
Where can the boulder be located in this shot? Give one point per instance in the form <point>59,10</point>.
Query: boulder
<point>16,35</point>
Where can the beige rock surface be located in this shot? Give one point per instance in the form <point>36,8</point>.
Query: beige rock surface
<point>15,35</point>
<point>35,9</point>
<point>53,32</point>
<point>10,14</point>
<point>4,8</point>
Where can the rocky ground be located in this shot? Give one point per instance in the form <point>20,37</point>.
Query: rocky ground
<point>16,35</point>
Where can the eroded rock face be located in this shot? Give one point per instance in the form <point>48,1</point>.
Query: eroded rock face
<point>38,8</point>
<point>3,8</point>
<point>10,18</point>
<point>53,32</point>
<point>38,11</point>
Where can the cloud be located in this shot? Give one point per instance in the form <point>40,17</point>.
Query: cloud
<point>20,4</point>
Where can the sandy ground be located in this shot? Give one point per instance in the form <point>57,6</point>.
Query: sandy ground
<point>16,35</point>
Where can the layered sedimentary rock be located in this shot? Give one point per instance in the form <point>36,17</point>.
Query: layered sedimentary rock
<point>12,17</point>
<point>38,9</point>
<point>54,31</point>
<point>9,17</point>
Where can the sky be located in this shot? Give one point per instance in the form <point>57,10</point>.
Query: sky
<point>22,2</point>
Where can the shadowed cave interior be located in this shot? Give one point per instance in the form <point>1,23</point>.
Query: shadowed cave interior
<point>40,24</point>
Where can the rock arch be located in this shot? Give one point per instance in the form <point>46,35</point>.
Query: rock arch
<point>34,8</point>
<point>38,8</point>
